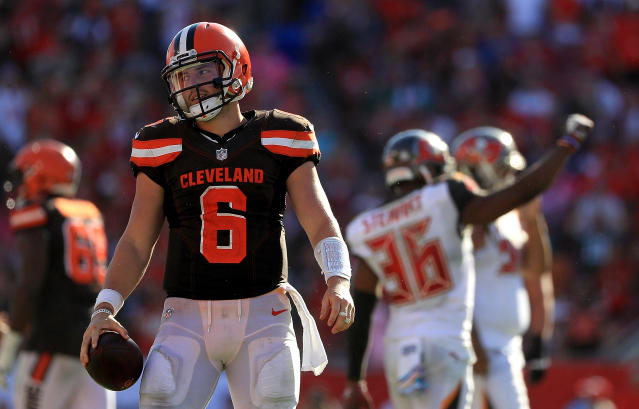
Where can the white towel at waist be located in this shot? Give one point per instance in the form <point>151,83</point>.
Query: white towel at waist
<point>313,354</point>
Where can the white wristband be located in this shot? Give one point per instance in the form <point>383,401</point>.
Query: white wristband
<point>9,349</point>
<point>111,297</point>
<point>331,254</point>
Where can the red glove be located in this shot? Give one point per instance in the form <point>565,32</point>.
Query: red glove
<point>356,396</point>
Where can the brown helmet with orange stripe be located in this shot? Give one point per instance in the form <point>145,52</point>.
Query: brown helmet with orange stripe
<point>207,66</point>
<point>41,168</point>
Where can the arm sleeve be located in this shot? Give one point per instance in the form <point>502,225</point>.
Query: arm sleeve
<point>151,148</point>
<point>358,334</point>
<point>292,138</point>
<point>152,173</point>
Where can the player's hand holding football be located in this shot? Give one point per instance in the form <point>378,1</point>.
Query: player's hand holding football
<point>101,321</point>
<point>576,130</point>
<point>337,304</point>
<point>356,396</point>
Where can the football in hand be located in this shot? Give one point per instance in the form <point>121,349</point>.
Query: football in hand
<point>116,363</point>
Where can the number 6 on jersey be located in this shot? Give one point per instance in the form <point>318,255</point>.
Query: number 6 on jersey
<point>213,222</point>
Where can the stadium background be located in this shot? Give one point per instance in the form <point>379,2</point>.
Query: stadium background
<point>87,73</point>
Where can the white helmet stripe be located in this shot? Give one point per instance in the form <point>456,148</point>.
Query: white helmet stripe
<point>176,43</point>
<point>184,39</point>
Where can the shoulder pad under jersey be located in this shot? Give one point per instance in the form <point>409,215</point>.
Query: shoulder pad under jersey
<point>27,217</point>
<point>470,183</point>
<point>289,134</point>
<point>75,208</point>
<point>157,143</point>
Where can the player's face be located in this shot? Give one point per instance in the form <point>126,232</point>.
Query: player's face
<point>190,77</point>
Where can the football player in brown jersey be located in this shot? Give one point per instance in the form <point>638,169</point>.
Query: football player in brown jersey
<point>220,177</point>
<point>62,250</point>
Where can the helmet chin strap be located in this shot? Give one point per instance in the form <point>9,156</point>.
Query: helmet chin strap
<point>425,173</point>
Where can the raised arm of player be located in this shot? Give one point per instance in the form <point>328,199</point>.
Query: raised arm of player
<point>131,257</point>
<point>533,181</point>
<point>536,268</point>
<point>314,214</point>
<point>365,283</point>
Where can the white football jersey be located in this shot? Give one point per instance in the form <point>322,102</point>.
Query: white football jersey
<point>502,309</point>
<point>424,261</point>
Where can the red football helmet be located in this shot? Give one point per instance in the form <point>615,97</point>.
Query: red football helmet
<point>207,66</point>
<point>489,155</point>
<point>416,155</point>
<point>45,167</point>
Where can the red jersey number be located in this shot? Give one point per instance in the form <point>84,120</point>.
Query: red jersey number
<point>426,262</point>
<point>213,221</point>
<point>510,266</point>
<point>85,250</point>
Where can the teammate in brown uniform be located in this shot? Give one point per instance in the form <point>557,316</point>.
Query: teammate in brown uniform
<point>220,177</point>
<point>62,250</point>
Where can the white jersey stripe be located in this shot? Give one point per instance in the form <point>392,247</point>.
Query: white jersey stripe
<point>289,143</point>
<point>155,152</point>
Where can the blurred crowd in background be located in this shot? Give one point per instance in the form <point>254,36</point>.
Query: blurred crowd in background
<point>88,73</point>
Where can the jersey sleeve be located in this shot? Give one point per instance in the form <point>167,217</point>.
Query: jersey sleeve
<point>292,137</point>
<point>153,147</point>
<point>462,191</point>
<point>27,217</point>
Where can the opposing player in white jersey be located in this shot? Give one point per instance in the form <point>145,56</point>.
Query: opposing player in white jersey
<point>418,248</point>
<point>511,254</point>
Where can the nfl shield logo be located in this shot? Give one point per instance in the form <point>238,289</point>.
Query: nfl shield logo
<point>220,154</point>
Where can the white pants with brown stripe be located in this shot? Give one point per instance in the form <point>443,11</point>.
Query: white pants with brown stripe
<point>448,379</point>
<point>251,339</point>
<point>44,381</point>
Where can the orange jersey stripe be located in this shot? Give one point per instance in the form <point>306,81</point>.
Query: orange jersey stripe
<point>31,216</point>
<point>154,161</point>
<point>41,367</point>
<point>156,152</point>
<point>290,143</point>
<point>157,143</point>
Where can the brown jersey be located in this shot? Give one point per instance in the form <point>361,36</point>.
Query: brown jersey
<point>77,253</point>
<point>224,200</point>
